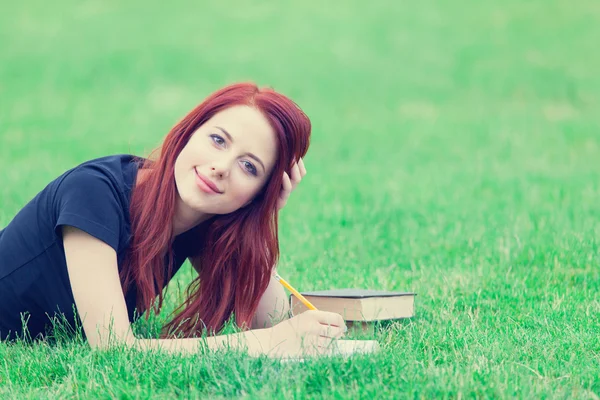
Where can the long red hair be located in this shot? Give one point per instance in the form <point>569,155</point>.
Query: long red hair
<point>235,253</point>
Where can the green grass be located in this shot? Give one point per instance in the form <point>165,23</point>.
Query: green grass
<point>455,153</point>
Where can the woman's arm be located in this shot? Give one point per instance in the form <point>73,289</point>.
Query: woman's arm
<point>94,277</point>
<point>273,306</point>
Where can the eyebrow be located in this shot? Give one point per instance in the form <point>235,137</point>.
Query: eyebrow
<point>249,154</point>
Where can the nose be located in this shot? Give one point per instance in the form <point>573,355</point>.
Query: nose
<point>220,172</point>
<point>221,166</point>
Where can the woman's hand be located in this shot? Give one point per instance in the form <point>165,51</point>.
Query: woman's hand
<point>298,172</point>
<point>309,333</point>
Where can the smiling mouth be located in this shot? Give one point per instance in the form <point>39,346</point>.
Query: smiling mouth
<point>205,184</point>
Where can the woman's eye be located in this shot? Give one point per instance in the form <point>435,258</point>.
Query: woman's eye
<point>218,139</point>
<point>249,167</point>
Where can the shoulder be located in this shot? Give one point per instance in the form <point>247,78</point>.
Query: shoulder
<point>94,197</point>
<point>113,173</point>
<point>114,168</point>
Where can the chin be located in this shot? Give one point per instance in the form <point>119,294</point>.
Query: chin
<point>207,209</point>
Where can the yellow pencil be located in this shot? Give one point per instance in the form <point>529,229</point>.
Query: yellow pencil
<point>295,292</point>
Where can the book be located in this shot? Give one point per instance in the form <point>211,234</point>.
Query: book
<point>359,304</point>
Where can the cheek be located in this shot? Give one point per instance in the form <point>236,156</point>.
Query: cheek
<point>183,167</point>
<point>190,156</point>
<point>246,191</point>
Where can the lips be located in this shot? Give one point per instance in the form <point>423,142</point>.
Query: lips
<point>206,183</point>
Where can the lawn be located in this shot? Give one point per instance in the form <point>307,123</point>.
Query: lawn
<point>454,153</point>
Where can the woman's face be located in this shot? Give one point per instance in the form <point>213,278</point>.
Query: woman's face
<point>226,162</point>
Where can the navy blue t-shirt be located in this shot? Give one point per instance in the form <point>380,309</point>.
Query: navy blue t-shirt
<point>34,281</point>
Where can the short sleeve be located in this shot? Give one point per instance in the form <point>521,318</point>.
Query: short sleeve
<point>90,199</point>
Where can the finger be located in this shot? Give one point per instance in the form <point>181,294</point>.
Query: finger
<point>331,331</point>
<point>338,332</point>
<point>325,345</point>
<point>302,167</point>
<point>296,177</point>
<point>329,318</point>
<point>286,183</point>
<point>326,331</point>
<point>286,190</point>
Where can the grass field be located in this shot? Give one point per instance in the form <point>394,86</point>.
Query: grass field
<point>455,154</point>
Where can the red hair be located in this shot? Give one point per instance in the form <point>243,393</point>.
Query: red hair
<point>237,252</point>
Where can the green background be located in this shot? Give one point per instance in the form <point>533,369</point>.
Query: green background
<point>454,153</point>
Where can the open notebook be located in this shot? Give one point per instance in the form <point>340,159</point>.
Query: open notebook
<point>345,348</point>
<point>349,347</point>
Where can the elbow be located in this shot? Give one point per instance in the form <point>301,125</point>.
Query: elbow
<point>273,307</point>
<point>96,344</point>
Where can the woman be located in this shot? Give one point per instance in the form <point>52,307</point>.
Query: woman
<point>104,239</point>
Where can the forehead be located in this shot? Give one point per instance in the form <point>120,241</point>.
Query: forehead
<point>250,130</point>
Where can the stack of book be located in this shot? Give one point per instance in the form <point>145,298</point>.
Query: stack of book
<point>359,307</point>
